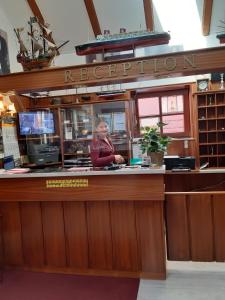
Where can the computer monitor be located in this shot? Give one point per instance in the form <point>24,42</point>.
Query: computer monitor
<point>37,122</point>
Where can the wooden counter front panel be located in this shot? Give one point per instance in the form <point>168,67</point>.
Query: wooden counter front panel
<point>219,226</point>
<point>110,187</point>
<point>124,225</point>
<point>76,235</point>
<point>31,231</point>
<point>177,229</point>
<point>123,238</point>
<point>195,216</point>
<point>99,235</point>
<point>149,220</point>
<point>195,227</point>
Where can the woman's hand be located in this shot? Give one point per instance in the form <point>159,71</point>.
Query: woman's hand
<point>119,159</point>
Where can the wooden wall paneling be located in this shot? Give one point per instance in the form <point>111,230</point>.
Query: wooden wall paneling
<point>13,252</point>
<point>201,227</point>
<point>176,148</point>
<point>150,231</point>
<point>32,234</point>
<point>124,236</point>
<point>219,226</point>
<point>193,121</point>
<point>54,235</point>
<point>99,235</point>
<point>177,233</point>
<point>76,234</point>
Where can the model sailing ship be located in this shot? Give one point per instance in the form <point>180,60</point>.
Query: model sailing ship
<point>123,41</point>
<point>41,50</point>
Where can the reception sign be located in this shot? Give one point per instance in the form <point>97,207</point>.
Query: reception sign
<point>150,67</point>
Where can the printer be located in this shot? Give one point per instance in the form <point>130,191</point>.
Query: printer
<point>175,162</point>
<point>42,153</point>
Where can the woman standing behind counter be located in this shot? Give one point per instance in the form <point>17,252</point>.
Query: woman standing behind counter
<point>102,149</point>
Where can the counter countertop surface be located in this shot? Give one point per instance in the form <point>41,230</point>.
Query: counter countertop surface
<point>204,171</point>
<point>213,170</point>
<point>64,173</point>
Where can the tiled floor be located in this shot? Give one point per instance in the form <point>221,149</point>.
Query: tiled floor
<point>187,281</point>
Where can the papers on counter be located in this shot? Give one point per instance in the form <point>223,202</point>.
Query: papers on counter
<point>15,171</point>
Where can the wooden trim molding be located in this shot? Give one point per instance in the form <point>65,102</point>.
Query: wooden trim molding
<point>206,16</point>
<point>185,63</point>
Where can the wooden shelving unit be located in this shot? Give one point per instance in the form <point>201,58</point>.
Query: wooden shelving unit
<point>211,127</point>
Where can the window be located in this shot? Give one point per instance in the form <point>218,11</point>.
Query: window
<point>171,107</point>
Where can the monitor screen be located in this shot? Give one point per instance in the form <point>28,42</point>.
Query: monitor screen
<point>37,122</point>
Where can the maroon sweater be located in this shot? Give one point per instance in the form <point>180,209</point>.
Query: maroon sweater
<point>102,154</point>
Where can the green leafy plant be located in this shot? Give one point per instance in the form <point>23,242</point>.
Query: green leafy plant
<point>152,140</point>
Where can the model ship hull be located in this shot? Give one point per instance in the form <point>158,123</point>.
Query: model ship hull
<point>123,44</point>
<point>35,63</point>
<point>41,50</point>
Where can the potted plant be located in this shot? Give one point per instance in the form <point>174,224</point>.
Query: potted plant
<point>154,144</point>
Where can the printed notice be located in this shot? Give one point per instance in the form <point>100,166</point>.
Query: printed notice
<point>10,142</point>
<point>67,183</point>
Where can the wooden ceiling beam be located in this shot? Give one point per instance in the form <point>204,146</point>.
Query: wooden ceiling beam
<point>93,17</point>
<point>206,16</point>
<point>149,18</point>
<point>37,13</point>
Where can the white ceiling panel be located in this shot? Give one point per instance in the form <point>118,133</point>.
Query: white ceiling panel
<point>68,20</point>
<point>18,12</point>
<point>116,14</point>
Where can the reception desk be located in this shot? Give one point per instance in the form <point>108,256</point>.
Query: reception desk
<point>195,215</point>
<point>100,223</point>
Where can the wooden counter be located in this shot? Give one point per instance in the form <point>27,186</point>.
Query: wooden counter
<point>195,215</point>
<point>101,225</point>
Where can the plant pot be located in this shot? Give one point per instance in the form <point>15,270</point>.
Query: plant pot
<point>156,158</point>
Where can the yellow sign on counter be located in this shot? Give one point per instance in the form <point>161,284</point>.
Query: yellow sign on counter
<point>67,183</point>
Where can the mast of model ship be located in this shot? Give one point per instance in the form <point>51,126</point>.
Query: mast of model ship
<point>46,34</point>
<point>35,38</point>
<point>23,50</point>
<point>32,20</point>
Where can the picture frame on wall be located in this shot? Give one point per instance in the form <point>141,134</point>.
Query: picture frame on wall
<point>4,54</point>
